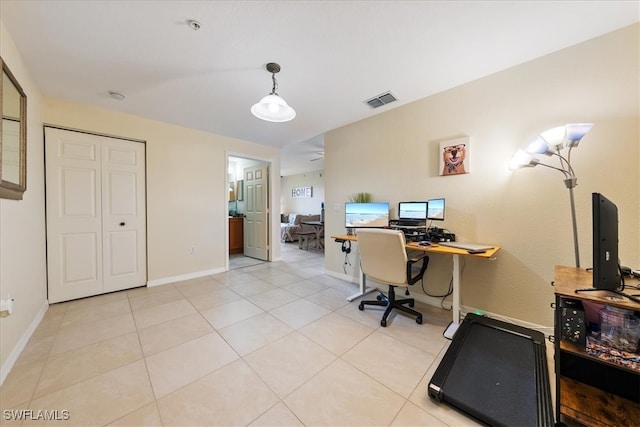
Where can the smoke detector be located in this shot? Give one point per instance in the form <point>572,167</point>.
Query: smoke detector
<point>195,25</point>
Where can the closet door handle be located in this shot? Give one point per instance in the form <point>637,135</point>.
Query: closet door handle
<point>122,224</point>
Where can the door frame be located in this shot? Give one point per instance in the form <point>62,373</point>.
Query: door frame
<point>274,202</point>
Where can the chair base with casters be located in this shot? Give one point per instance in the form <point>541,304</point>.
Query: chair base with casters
<point>383,258</point>
<point>391,303</point>
<point>390,300</point>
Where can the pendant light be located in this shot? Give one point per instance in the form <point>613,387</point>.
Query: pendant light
<point>272,107</point>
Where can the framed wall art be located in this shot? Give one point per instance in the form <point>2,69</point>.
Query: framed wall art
<point>455,156</point>
<point>301,192</point>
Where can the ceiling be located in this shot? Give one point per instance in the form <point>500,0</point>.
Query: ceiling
<point>334,55</point>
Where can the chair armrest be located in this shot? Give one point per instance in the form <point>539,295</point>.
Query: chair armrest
<point>423,268</point>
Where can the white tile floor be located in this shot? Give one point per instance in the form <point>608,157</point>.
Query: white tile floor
<point>263,344</point>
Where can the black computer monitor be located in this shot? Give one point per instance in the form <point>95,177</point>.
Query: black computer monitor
<point>366,215</point>
<point>606,271</point>
<point>435,209</point>
<point>412,210</point>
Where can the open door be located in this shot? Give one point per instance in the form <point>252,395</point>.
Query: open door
<point>256,221</point>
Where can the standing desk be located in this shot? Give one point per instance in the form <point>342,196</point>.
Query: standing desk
<point>436,249</point>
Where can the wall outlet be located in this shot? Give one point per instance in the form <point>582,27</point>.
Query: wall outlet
<point>192,250</point>
<point>6,306</point>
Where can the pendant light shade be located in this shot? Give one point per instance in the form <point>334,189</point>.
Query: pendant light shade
<point>272,107</point>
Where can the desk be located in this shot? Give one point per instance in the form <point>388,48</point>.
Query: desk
<point>436,249</point>
<point>318,227</point>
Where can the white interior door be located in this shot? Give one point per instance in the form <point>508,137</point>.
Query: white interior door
<point>94,184</point>
<point>256,221</point>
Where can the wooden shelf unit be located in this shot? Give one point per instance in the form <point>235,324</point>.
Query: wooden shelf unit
<point>589,390</point>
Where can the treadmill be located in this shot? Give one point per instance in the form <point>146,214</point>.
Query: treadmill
<point>495,372</point>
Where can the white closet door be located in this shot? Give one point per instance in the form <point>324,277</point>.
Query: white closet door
<point>123,215</point>
<point>74,215</point>
<point>91,182</point>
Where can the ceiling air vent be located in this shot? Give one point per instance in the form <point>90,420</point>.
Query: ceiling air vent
<point>380,100</point>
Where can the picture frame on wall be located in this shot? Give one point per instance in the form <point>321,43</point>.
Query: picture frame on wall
<point>455,158</point>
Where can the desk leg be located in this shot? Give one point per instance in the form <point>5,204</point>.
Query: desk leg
<point>453,326</point>
<point>363,287</point>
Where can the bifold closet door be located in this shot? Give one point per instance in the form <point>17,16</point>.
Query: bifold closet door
<point>96,218</point>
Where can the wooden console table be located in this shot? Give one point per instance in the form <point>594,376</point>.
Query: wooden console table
<point>593,391</point>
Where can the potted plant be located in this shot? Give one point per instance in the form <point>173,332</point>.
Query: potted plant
<point>361,198</point>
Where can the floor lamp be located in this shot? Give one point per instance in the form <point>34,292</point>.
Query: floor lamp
<point>551,143</point>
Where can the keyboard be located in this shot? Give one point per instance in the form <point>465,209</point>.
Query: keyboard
<point>467,246</point>
<point>404,223</point>
<point>409,227</point>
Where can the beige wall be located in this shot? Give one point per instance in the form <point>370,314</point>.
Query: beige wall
<point>22,233</point>
<point>187,201</point>
<point>395,156</point>
<point>312,205</point>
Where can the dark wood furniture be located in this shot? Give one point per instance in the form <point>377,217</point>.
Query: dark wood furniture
<point>593,391</point>
<point>236,235</point>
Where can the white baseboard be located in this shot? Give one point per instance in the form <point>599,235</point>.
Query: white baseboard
<point>546,330</point>
<point>182,277</point>
<point>436,302</point>
<point>341,276</point>
<point>22,343</point>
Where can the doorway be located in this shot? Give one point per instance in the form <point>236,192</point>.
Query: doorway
<point>249,213</point>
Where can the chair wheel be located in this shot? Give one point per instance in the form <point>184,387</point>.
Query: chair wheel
<point>361,306</point>
<point>411,304</point>
<point>379,297</point>
<point>419,320</point>
<point>383,323</point>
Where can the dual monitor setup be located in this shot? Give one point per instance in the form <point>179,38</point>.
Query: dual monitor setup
<point>376,214</point>
<point>607,273</point>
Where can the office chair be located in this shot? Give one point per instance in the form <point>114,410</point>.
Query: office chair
<point>383,258</point>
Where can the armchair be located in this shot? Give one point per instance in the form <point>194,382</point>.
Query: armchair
<point>383,258</point>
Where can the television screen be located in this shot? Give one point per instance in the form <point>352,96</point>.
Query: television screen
<point>435,209</point>
<point>362,215</point>
<point>606,273</point>
<point>412,210</point>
